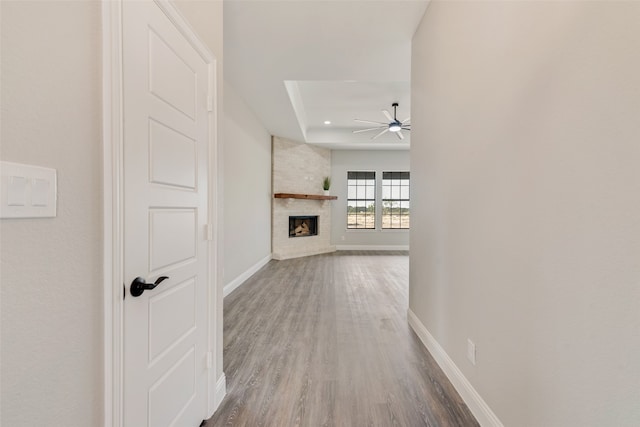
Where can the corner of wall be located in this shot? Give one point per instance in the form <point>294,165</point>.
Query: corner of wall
<point>471,397</point>
<point>240,279</point>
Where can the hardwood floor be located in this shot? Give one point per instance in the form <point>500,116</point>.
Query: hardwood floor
<point>324,341</point>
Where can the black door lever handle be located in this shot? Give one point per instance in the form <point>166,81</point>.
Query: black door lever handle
<point>138,286</point>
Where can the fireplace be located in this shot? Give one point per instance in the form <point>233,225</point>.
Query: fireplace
<point>302,226</point>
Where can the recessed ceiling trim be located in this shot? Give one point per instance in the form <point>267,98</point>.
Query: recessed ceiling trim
<point>348,58</point>
<point>298,106</point>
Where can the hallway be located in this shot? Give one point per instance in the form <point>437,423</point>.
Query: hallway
<point>324,340</point>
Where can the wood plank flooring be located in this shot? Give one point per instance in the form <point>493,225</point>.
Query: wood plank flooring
<point>324,341</point>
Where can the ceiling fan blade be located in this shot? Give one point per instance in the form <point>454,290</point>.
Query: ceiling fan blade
<point>406,127</point>
<point>369,121</point>
<point>366,130</point>
<point>387,115</point>
<point>400,136</point>
<point>384,131</point>
<point>408,119</point>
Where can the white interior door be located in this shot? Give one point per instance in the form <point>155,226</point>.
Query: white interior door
<point>165,92</point>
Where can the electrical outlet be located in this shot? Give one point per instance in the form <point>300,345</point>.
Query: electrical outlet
<point>342,238</point>
<point>471,351</point>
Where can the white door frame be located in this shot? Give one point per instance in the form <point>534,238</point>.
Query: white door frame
<point>113,214</point>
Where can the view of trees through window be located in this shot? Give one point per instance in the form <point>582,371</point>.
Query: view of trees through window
<point>395,200</point>
<point>361,200</point>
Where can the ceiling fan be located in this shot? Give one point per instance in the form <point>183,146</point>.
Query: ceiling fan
<point>396,126</point>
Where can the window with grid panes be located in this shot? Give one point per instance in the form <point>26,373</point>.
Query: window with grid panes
<point>395,200</point>
<point>361,200</point>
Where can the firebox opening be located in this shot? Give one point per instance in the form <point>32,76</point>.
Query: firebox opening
<point>301,226</point>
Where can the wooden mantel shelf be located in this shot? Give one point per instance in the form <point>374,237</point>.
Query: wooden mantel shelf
<point>303,196</point>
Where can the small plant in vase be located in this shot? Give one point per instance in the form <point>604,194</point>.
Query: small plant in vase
<point>326,184</point>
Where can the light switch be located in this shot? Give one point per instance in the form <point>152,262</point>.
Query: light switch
<point>39,192</point>
<point>17,191</point>
<point>27,191</point>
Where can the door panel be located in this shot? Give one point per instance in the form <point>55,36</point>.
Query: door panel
<point>170,77</point>
<point>172,393</point>
<point>165,211</point>
<point>171,317</point>
<point>172,237</point>
<point>173,156</point>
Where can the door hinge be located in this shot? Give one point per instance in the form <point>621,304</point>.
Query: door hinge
<point>209,360</point>
<point>209,103</point>
<point>208,229</point>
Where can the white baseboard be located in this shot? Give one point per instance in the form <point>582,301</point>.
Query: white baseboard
<point>235,283</point>
<point>221,390</point>
<point>372,247</point>
<point>216,395</point>
<point>474,401</point>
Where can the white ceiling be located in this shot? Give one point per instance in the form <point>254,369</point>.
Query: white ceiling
<point>298,63</point>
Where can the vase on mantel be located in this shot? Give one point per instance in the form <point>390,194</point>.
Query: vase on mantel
<point>326,185</point>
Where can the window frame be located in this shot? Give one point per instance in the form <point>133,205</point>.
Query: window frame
<point>367,175</point>
<point>388,183</point>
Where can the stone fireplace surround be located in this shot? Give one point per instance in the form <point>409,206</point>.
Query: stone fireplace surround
<point>299,168</point>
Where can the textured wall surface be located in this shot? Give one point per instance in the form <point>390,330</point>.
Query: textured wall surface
<point>524,165</point>
<point>299,168</point>
<point>51,274</point>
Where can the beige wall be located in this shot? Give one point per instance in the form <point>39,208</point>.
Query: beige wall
<point>247,188</point>
<point>51,271</point>
<point>525,176</point>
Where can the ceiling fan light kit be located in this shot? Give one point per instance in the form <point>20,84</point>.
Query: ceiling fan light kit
<point>394,125</point>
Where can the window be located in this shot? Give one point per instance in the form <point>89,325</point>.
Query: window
<point>395,200</point>
<point>361,200</point>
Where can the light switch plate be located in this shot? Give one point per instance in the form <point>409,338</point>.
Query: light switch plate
<point>40,192</point>
<point>17,191</point>
<point>27,191</point>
